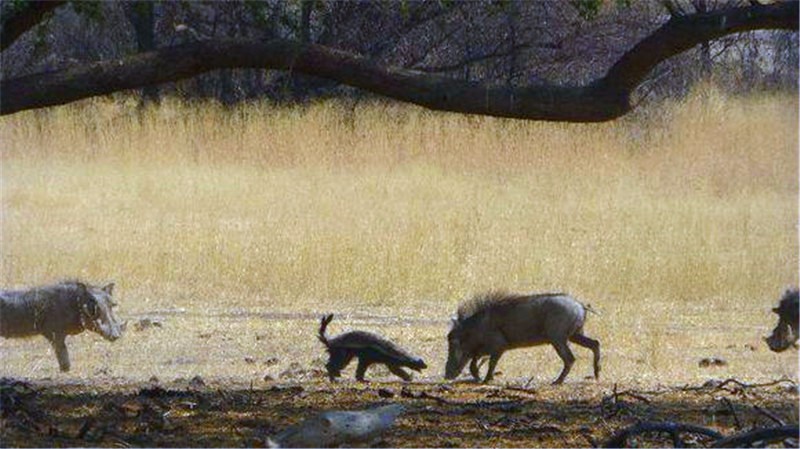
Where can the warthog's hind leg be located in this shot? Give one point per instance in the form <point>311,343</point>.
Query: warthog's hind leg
<point>60,347</point>
<point>590,343</point>
<point>566,356</point>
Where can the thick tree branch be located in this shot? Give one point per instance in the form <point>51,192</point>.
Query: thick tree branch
<point>603,99</point>
<point>496,53</point>
<point>681,33</point>
<point>768,435</point>
<point>19,18</point>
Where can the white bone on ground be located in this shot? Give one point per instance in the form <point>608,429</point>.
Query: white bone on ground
<point>339,428</point>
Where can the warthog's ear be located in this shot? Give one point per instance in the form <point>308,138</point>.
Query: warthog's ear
<point>82,288</point>
<point>109,288</point>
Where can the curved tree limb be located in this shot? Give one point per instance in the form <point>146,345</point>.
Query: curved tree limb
<point>621,437</point>
<point>20,17</point>
<point>604,99</point>
<point>768,435</point>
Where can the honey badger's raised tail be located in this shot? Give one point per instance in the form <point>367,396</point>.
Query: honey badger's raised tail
<point>323,325</point>
<point>369,349</point>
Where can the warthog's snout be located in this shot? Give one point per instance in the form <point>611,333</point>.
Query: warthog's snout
<point>782,338</point>
<point>111,332</point>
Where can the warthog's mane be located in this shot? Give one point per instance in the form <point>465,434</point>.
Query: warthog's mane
<point>46,291</point>
<point>791,297</point>
<point>789,304</point>
<point>484,302</point>
<point>74,283</point>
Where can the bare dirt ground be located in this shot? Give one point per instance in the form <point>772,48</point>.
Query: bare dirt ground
<point>240,380</point>
<point>197,412</point>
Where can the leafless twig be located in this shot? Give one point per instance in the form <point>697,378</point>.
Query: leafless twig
<point>769,415</point>
<point>736,421</point>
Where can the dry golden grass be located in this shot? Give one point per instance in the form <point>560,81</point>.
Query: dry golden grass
<point>678,224</point>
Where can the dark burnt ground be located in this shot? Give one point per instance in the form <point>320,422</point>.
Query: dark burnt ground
<point>205,413</point>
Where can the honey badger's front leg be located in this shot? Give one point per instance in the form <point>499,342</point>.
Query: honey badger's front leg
<point>399,372</point>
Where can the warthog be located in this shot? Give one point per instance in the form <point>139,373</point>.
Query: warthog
<point>492,323</point>
<point>55,311</point>
<point>785,332</point>
<point>369,349</point>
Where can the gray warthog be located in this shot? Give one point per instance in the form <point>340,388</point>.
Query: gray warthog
<point>55,311</point>
<point>492,323</point>
<point>785,333</point>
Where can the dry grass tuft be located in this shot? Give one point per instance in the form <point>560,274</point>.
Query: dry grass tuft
<point>678,223</point>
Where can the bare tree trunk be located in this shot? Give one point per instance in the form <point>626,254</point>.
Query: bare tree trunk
<point>24,17</point>
<point>702,6</point>
<point>142,18</point>
<point>512,12</point>
<point>305,20</point>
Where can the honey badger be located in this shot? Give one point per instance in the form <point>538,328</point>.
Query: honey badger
<point>369,348</point>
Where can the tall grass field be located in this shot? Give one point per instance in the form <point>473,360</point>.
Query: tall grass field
<point>237,227</point>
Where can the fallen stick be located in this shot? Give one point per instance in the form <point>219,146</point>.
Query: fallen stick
<point>768,435</point>
<point>620,438</point>
<point>769,415</point>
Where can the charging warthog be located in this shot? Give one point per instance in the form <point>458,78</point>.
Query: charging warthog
<point>492,323</point>
<point>785,333</point>
<point>55,311</point>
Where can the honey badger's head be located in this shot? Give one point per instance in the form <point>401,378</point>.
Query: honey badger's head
<point>417,364</point>
<point>337,360</point>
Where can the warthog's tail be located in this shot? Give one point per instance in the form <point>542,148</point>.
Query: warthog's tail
<point>589,308</point>
<point>323,324</point>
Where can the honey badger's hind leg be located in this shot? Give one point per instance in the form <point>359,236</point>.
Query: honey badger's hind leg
<point>399,372</point>
<point>338,360</point>
<point>363,364</point>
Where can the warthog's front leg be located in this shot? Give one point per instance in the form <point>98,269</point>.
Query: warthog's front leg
<point>493,359</point>
<point>60,347</point>
<point>474,368</point>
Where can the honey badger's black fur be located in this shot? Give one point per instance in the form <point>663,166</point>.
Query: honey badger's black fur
<point>368,348</point>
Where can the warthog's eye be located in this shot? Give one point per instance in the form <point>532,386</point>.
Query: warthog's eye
<point>91,308</point>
